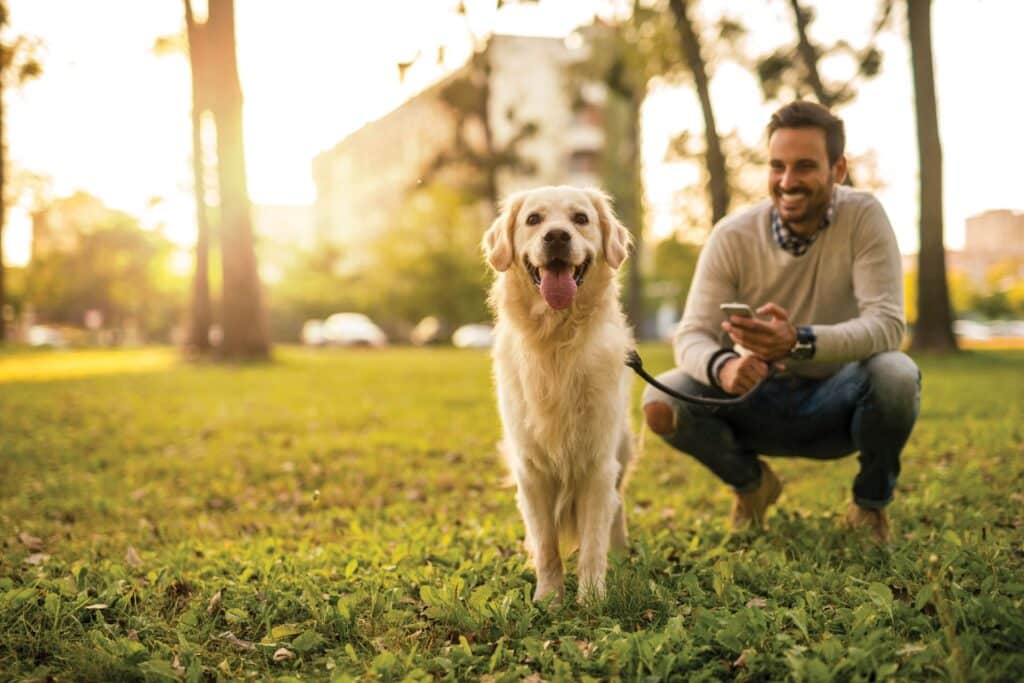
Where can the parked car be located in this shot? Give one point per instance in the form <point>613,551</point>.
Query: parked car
<point>313,333</point>
<point>352,329</point>
<point>473,336</point>
<point>970,329</point>
<point>42,336</point>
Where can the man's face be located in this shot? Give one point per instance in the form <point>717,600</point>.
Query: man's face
<point>800,179</point>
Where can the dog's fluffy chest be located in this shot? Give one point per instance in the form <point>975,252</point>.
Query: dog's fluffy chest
<point>569,401</point>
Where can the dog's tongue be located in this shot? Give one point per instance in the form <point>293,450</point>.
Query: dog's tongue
<point>557,287</point>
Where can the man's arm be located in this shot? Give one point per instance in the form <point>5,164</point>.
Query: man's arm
<point>878,289</point>
<point>697,342</point>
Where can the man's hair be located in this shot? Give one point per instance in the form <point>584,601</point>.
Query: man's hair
<point>804,114</point>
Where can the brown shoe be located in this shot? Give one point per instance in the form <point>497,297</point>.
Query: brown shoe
<point>749,508</point>
<point>874,520</point>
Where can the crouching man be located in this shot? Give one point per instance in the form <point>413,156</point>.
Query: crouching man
<point>820,264</point>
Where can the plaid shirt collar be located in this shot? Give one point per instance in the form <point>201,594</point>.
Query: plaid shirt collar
<point>795,244</point>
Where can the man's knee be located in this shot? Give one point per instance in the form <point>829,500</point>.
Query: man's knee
<point>895,380</point>
<point>895,372</point>
<point>660,417</point>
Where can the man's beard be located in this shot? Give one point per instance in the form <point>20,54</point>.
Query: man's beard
<point>817,203</point>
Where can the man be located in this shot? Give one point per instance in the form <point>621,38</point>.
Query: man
<point>820,263</point>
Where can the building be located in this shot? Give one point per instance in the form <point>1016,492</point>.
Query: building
<point>991,237</point>
<point>363,181</point>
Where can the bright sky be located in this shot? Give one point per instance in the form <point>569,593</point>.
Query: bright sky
<point>111,118</point>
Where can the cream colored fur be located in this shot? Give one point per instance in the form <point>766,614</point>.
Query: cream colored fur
<point>563,388</point>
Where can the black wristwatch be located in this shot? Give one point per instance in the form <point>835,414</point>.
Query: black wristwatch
<point>804,347</point>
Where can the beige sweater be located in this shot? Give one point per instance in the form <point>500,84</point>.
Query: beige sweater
<point>848,286</point>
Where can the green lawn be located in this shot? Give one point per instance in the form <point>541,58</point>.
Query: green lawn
<point>343,515</point>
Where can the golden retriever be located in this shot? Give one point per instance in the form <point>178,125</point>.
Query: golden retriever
<point>560,345</point>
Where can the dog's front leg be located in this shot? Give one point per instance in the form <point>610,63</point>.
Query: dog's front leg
<point>597,506</point>
<point>536,496</point>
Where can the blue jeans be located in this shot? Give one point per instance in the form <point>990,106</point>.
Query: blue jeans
<point>868,406</point>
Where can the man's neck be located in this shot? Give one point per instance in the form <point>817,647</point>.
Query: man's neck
<point>806,228</point>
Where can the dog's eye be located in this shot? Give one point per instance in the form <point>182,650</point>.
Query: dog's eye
<point>533,219</point>
<point>580,218</point>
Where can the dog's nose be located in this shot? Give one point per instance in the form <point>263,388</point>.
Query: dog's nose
<point>557,236</point>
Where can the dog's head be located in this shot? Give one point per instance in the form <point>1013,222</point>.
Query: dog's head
<point>556,235</point>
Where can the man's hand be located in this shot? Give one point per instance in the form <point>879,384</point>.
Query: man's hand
<point>768,340</point>
<point>739,375</point>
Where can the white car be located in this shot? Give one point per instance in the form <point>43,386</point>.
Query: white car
<point>969,329</point>
<point>474,336</point>
<point>313,333</point>
<point>352,329</point>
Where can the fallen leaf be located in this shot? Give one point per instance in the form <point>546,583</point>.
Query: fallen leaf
<point>741,661</point>
<point>585,647</point>
<point>31,542</point>
<point>282,654</point>
<point>36,559</point>
<point>236,641</point>
<point>214,602</point>
<point>757,602</point>
<point>131,556</point>
<point>176,665</point>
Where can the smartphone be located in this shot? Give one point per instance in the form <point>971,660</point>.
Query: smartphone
<point>736,308</point>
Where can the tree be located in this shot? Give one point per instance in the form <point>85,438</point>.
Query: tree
<point>795,68</point>
<point>434,244</point>
<point>91,257</point>
<point>243,319</point>
<point>690,45</point>
<point>17,65</point>
<point>934,329</point>
<point>627,56</point>
<point>200,313</point>
<point>475,157</point>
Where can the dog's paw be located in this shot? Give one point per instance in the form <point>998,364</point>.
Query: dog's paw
<point>552,590</point>
<point>590,590</point>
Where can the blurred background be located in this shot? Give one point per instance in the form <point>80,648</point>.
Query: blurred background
<point>222,176</point>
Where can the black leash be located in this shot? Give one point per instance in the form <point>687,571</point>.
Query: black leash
<point>633,361</point>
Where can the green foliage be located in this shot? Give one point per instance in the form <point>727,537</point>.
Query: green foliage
<point>98,258</point>
<point>430,262</point>
<point>342,515</point>
<point>312,287</point>
<point>793,71</point>
<point>671,272</point>
<point>999,296</point>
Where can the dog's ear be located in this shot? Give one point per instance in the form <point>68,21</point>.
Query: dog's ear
<point>614,235</point>
<point>497,242</point>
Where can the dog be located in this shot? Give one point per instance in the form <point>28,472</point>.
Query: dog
<point>560,343</point>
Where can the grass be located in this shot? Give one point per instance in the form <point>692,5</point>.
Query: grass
<point>341,515</point>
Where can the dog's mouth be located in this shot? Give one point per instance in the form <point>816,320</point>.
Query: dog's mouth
<point>558,280</point>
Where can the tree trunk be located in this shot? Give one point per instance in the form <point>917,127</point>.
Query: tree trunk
<point>3,217</point>
<point>199,319</point>
<point>809,55</point>
<point>718,184</point>
<point>245,328</point>
<point>633,215</point>
<point>934,330</point>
